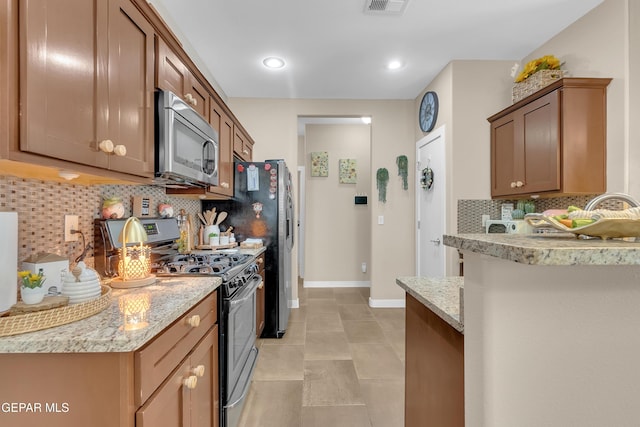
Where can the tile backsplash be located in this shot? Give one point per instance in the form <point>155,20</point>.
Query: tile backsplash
<point>42,205</point>
<point>470,211</point>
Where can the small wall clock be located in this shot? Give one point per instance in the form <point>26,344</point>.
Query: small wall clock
<point>428,113</point>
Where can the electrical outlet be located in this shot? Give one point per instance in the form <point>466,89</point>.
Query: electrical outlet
<point>485,218</point>
<point>364,267</point>
<point>70,223</point>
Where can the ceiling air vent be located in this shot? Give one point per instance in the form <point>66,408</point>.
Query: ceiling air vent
<point>385,7</point>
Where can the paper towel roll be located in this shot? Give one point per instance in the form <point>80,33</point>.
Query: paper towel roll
<point>9,260</point>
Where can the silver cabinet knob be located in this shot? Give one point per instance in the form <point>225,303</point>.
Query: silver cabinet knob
<point>436,241</point>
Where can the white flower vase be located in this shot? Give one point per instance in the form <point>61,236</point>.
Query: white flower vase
<point>32,295</point>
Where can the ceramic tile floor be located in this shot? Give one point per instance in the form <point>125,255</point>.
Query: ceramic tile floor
<point>340,363</point>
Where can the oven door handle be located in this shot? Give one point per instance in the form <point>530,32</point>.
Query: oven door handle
<point>246,293</point>
<point>247,384</point>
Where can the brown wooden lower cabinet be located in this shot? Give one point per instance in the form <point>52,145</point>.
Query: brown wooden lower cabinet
<point>171,382</point>
<point>181,403</point>
<point>434,379</point>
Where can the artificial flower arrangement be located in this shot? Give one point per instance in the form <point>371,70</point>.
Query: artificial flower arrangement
<point>547,62</point>
<point>31,280</point>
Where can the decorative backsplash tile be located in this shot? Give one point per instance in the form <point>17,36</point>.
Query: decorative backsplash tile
<point>470,211</point>
<point>42,205</point>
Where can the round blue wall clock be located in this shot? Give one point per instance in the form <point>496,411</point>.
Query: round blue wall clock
<point>428,113</point>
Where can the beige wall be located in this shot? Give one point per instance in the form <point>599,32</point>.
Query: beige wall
<point>338,236</point>
<point>468,93</point>
<point>273,124</point>
<point>597,45</point>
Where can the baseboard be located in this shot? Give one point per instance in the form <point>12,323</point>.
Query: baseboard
<point>295,303</point>
<point>386,303</point>
<point>337,284</point>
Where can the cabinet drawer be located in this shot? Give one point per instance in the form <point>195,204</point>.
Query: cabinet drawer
<point>156,361</point>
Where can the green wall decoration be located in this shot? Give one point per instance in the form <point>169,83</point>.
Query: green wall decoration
<point>382,178</point>
<point>403,170</point>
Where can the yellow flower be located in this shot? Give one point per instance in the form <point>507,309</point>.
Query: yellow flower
<point>31,280</point>
<point>547,62</point>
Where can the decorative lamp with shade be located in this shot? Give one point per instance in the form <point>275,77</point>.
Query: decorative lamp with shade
<point>134,266</point>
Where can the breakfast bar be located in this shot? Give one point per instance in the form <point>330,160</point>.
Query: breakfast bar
<point>551,330</point>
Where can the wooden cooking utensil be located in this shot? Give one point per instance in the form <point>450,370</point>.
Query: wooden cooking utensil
<point>221,217</point>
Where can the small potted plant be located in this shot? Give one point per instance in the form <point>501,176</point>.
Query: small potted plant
<point>31,290</point>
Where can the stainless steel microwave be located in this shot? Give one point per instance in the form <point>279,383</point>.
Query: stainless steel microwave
<point>186,146</point>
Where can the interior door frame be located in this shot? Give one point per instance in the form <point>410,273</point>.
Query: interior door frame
<point>434,135</point>
<point>301,220</point>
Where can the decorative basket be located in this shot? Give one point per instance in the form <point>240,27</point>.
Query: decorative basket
<point>534,83</point>
<point>30,322</point>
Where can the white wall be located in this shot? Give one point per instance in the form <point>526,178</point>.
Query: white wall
<point>273,124</point>
<point>338,232</point>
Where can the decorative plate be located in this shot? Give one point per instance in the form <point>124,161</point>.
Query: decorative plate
<point>605,228</point>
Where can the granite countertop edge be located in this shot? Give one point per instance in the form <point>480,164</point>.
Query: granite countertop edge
<point>440,295</point>
<point>103,332</point>
<point>554,249</point>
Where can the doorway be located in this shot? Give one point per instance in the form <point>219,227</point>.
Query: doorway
<point>336,229</point>
<point>431,204</point>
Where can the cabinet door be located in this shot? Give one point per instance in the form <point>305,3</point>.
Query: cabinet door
<point>242,145</point>
<point>525,149</point>
<point>503,156</point>
<point>169,405</point>
<point>63,85</point>
<point>131,70</point>
<point>197,96</point>
<point>205,397</point>
<point>541,144</point>
<point>223,124</point>
<point>172,75</point>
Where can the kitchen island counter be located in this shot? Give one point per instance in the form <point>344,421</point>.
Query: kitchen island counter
<point>440,295</point>
<point>169,299</point>
<point>548,249</point>
<point>550,325</point>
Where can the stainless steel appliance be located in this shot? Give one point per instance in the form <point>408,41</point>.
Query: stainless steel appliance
<point>237,322</point>
<point>186,149</point>
<point>262,207</point>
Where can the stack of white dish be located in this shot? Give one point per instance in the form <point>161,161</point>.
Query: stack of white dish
<point>81,285</point>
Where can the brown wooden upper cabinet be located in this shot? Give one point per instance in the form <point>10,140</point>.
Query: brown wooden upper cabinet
<point>242,145</point>
<point>552,142</point>
<point>224,126</point>
<point>86,83</point>
<point>173,75</point>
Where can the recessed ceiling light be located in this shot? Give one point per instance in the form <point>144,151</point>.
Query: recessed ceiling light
<point>394,65</point>
<point>273,62</point>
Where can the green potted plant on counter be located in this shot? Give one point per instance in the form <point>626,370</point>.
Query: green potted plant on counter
<point>31,290</point>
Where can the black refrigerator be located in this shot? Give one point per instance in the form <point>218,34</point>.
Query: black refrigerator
<point>262,208</point>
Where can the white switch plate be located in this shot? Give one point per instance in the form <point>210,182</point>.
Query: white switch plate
<point>380,219</point>
<point>70,223</point>
<point>485,218</point>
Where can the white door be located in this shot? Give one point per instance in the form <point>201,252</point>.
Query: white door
<point>430,204</point>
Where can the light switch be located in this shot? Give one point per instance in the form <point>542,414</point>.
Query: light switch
<point>380,219</point>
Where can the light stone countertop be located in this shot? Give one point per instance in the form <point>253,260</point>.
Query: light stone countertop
<point>548,249</point>
<point>102,332</point>
<point>443,296</point>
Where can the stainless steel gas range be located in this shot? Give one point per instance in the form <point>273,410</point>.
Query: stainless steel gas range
<point>237,322</point>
